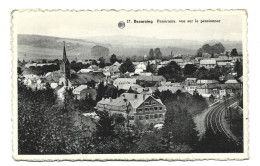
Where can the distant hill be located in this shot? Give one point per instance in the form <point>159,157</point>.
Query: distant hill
<point>34,47</point>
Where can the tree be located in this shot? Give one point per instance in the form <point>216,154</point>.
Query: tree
<point>127,66</point>
<point>227,54</point>
<point>171,71</point>
<point>189,69</point>
<point>89,100</point>
<point>91,84</point>
<point>100,91</point>
<point>113,59</point>
<point>102,62</point>
<point>94,62</point>
<point>178,119</point>
<point>19,70</point>
<point>151,54</point>
<point>238,68</point>
<point>151,67</point>
<point>157,53</point>
<point>215,49</point>
<point>234,52</point>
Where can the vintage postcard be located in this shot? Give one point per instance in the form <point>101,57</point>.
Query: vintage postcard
<point>130,85</point>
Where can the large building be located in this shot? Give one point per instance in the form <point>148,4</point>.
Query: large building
<point>208,63</point>
<point>139,108</point>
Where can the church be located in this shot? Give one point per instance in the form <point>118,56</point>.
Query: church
<point>65,67</point>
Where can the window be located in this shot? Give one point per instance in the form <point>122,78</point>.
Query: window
<point>151,116</point>
<point>160,115</point>
<point>160,108</point>
<point>139,110</point>
<point>146,103</point>
<point>155,116</point>
<point>146,117</point>
<point>150,102</point>
<point>151,108</point>
<point>146,109</point>
<point>140,117</point>
<point>153,102</point>
<point>155,108</point>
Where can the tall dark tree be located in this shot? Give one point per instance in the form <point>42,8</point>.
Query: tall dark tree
<point>102,62</point>
<point>171,71</point>
<point>157,53</point>
<point>151,54</point>
<point>238,68</point>
<point>234,52</point>
<point>189,69</point>
<point>113,59</point>
<point>127,66</point>
<point>100,91</point>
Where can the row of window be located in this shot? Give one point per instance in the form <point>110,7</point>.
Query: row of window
<point>150,109</point>
<point>151,116</point>
<point>150,103</point>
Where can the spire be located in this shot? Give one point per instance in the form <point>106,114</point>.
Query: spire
<point>64,52</point>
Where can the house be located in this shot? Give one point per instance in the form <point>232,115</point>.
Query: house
<point>190,81</point>
<point>171,84</point>
<point>85,70</point>
<point>200,82</point>
<point>139,108</point>
<point>173,89</point>
<point>138,71</point>
<point>146,90</point>
<point>191,88</point>
<point>140,65</point>
<point>231,82</point>
<point>60,91</point>
<point>225,64</point>
<point>114,68</point>
<point>76,92</point>
<point>208,97</point>
<point>208,63</point>
<point>145,74</point>
<point>150,80</point>
<point>120,81</point>
<point>126,87</point>
<point>88,91</point>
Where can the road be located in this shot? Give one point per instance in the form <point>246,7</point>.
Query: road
<point>217,138</point>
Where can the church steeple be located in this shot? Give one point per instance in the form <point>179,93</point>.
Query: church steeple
<point>65,66</point>
<point>64,52</point>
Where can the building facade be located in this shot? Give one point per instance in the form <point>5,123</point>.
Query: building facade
<point>139,109</point>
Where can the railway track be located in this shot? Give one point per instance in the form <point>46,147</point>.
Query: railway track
<point>214,122</point>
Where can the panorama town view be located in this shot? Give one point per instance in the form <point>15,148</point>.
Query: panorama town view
<point>77,96</point>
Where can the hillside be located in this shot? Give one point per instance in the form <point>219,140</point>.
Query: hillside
<point>34,47</point>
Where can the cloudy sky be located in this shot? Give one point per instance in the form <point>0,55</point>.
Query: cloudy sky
<point>91,24</point>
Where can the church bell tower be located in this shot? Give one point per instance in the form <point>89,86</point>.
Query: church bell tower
<point>65,66</point>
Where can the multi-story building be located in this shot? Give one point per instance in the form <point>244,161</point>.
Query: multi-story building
<point>138,108</point>
<point>208,63</point>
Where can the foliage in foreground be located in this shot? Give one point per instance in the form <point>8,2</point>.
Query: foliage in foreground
<point>46,126</point>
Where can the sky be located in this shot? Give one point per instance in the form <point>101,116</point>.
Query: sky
<point>103,23</point>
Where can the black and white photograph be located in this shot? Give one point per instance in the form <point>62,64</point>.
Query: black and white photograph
<point>129,85</point>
